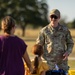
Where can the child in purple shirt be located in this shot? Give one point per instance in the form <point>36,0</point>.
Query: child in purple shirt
<point>12,50</point>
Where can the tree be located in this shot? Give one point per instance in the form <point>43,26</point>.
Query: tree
<point>73,23</point>
<point>63,20</point>
<point>69,24</point>
<point>33,12</point>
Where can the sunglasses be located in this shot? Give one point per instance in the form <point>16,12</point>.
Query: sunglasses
<point>54,16</point>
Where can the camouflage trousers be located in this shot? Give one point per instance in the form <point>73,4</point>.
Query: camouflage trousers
<point>63,65</point>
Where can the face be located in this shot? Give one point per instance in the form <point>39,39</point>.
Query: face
<point>54,20</point>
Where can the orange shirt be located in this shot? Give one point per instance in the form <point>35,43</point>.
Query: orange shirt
<point>43,66</point>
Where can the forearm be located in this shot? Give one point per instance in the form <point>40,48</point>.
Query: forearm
<point>69,42</point>
<point>41,39</point>
<point>70,48</point>
<point>27,60</point>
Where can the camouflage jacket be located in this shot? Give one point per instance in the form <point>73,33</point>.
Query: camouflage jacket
<point>55,42</point>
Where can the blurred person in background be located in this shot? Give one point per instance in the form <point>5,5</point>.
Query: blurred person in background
<point>12,50</point>
<point>56,41</point>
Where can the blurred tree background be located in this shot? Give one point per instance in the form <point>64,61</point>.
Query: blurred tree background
<point>28,12</point>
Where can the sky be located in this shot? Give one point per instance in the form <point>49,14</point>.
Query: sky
<point>66,7</point>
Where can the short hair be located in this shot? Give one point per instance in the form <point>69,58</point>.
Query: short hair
<point>7,23</point>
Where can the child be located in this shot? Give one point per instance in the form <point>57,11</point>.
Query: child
<point>38,65</point>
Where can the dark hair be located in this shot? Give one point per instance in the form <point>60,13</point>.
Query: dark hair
<point>7,23</point>
<point>38,51</point>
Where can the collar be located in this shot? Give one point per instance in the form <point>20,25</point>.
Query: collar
<point>59,27</point>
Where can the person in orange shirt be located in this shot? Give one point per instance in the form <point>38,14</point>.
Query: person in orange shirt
<point>39,66</point>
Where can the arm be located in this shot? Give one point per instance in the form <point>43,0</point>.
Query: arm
<point>26,72</point>
<point>27,60</point>
<point>69,44</point>
<point>40,40</point>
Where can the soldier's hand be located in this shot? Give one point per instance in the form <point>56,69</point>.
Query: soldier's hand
<point>65,55</point>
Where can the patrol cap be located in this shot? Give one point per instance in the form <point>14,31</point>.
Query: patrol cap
<point>55,12</point>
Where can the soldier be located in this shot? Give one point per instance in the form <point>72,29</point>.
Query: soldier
<point>56,41</point>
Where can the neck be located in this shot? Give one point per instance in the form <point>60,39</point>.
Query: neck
<point>6,34</point>
<point>54,25</point>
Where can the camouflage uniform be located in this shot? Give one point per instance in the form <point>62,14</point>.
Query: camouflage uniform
<point>55,42</point>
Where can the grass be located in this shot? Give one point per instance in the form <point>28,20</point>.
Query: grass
<point>71,63</point>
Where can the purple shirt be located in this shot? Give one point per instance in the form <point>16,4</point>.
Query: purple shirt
<point>11,55</point>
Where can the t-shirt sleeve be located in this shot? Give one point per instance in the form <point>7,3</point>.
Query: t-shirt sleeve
<point>23,47</point>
